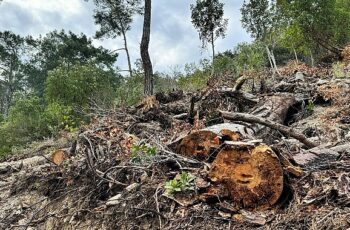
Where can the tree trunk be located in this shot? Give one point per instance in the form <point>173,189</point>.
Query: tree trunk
<point>146,60</point>
<point>312,59</point>
<point>127,52</point>
<point>213,53</point>
<point>296,55</point>
<point>272,60</point>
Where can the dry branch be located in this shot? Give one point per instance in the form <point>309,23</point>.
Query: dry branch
<point>271,124</point>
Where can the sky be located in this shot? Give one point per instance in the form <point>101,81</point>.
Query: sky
<point>174,40</point>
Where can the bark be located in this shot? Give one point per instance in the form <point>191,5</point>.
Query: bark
<point>272,60</point>
<point>146,60</point>
<point>127,51</point>
<point>312,59</point>
<point>296,55</point>
<point>271,124</point>
<point>239,83</point>
<point>213,53</point>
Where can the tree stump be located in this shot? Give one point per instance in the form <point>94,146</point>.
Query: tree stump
<point>252,174</point>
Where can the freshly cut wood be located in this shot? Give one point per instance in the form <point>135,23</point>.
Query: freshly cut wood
<point>58,156</point>
<point>235,129</point>
<point>269,123</point>
<point>252,174</point>
<point>198,144</point>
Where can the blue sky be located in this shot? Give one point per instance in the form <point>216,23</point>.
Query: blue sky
<point>174,41</point>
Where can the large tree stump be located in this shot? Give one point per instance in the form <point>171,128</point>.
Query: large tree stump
<point>252,174</point>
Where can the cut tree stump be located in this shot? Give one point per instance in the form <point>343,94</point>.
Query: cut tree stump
<point>252,174</point>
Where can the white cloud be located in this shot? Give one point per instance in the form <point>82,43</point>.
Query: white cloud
<point>174,41</point>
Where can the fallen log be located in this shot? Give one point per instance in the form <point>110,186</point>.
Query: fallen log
<point>271,124</point>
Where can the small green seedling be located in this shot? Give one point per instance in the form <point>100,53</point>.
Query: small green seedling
<point>180,183</point>
<point>140,152</point>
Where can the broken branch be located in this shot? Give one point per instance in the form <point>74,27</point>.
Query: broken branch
<point>283,129</point>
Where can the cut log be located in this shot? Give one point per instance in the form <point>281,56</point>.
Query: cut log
<point>274,108</point>
<point>252,174</point>
<point>198,144</point>
<point>58,156</point>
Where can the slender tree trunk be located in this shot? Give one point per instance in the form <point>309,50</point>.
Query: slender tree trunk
<point>8,91</point>
<point>146,60</point>
<point>126,50</point>
<point>296,55</point>
<point>312,58</point>
<point>272,60</point>
<point>213,53</point>
<point>269,57</point>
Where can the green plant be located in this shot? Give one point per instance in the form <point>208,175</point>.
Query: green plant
<point>182,182</point>
<point>309,108</point>
<point>24,123</point>
<point>339,70</point>
<point>81,86</point>
<point>60,117</point>
<point>142,152</point>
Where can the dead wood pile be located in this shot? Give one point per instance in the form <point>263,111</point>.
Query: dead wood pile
<point>225,157</point>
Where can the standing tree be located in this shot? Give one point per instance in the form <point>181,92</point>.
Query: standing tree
<point>262,20</point>
<point>115,18</point>
<point>12,47</point>
<point>325,23</point>
<point>207,18</point>
<point>58,48</point>
<point>146,60</point>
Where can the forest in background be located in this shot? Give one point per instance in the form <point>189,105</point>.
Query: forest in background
<point>59,81</point>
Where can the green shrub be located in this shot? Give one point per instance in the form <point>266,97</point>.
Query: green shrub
<point>195,77</point>
<point>60,117</point>
<point>130,90</point>
<point>81,87</point>
<point>339,70</point>
<point>25,123</point>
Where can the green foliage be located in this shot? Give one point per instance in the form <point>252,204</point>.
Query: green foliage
<point>249,57</point>
<point>115,17</point>
<point>339,70</point>
<point>142,152</point>
<point>81,87</point>
<point>195,77</point>
<point>24,123</point>
<point>12,48</point>
<point>130,90</point>
<point>60,117</point>
<point>256,18</point>
<point>61,48</point>
<point>180,183</point>
<point>322,24</point>
<point>207,18</point>
<point>310,107</point>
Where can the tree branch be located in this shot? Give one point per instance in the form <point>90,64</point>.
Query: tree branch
<point>271,124</point>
